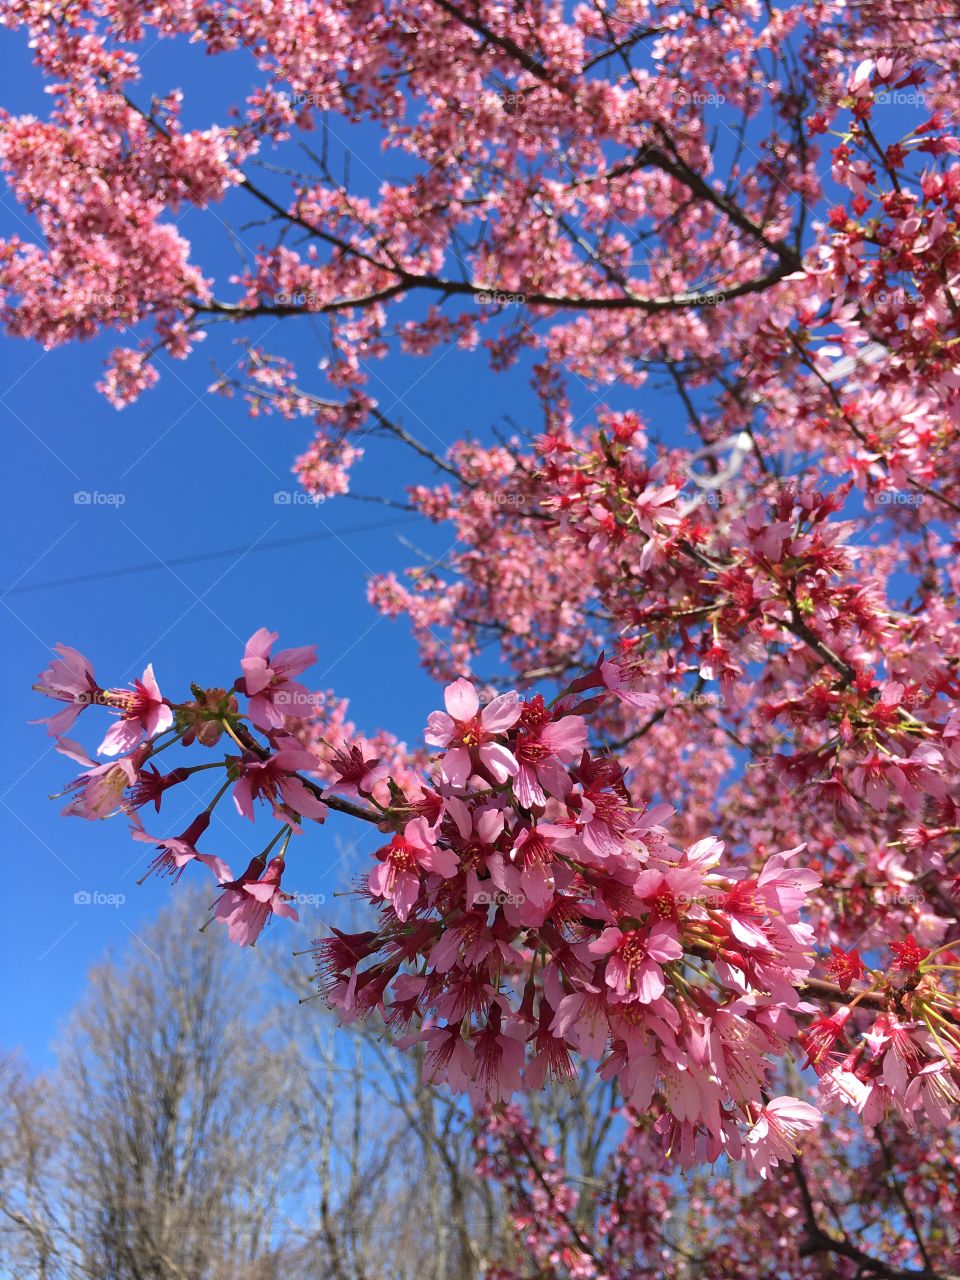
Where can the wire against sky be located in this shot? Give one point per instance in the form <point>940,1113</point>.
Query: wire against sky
<point>205,555</point>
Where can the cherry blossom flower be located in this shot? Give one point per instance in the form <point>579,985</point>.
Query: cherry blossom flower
<point>267,680</point>
<point>469,735</point>
<point>633,971</point>
<point>397,878</point>
<point>274,780</point>
<point>69,679</point>
<point>773,1138</point>
<point>142,710</point>
<point>100,788</point>
<point>246,904</point>
<point>175,852</point>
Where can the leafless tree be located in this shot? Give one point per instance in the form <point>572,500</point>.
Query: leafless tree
<point>202,1126</point>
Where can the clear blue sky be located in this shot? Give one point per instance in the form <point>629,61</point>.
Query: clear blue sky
<point>196,475</point>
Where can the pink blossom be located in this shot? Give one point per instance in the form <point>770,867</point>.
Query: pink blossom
<point>275,781</point>
<point>772,1139</point>
<point>174,852</point>
<point>448,1059</point>
<point>542,748</point>
<point>267,680</point>
<point>142,710</point>
<point>99,789</point>
<point>69,679</point>
<point>247,904</point>
<point>935,1089</point>
<point>397,878</point>
<point>465,730</point>
<point>633,970</point>
<point>356,774</point>
<point>498,1060</point>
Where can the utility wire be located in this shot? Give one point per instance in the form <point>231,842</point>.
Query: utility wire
<point>202,556</point>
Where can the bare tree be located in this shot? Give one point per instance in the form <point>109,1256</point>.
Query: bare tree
<point>202,1126</point>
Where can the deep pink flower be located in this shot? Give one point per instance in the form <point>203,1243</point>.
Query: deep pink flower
<point>357,776</point>
<point>69,679</point>
<point>275,780</point>
<point>619,681</point>
<point>449,1059</point>
<point>247,904</point>
<point>143,711</point>
<point>821,1036</point>
<point>543,746</point>
<point>498,1059</point>
<point>397,878</point>
<point>845,966</point>
<point>464,729</point>
<point>909,954</point>
<point>633,971</point>
<point>174,852</point>
<point>267,680</point>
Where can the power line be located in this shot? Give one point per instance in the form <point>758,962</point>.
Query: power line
<point>153,565</point>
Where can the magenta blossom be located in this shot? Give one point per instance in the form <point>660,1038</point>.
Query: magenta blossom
<point>175,852</point>
<point>357,776</point>
<point>69,679</point>
<point>542,749</point>
<point>633,971</point>
<point>275,780</point>
<point>247,904</point>
<point>467,732</point>
<point>266,680</point>
<point>142,711</point>
<point>397,877</point>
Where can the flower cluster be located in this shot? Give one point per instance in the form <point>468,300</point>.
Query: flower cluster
<point>530,909</point>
